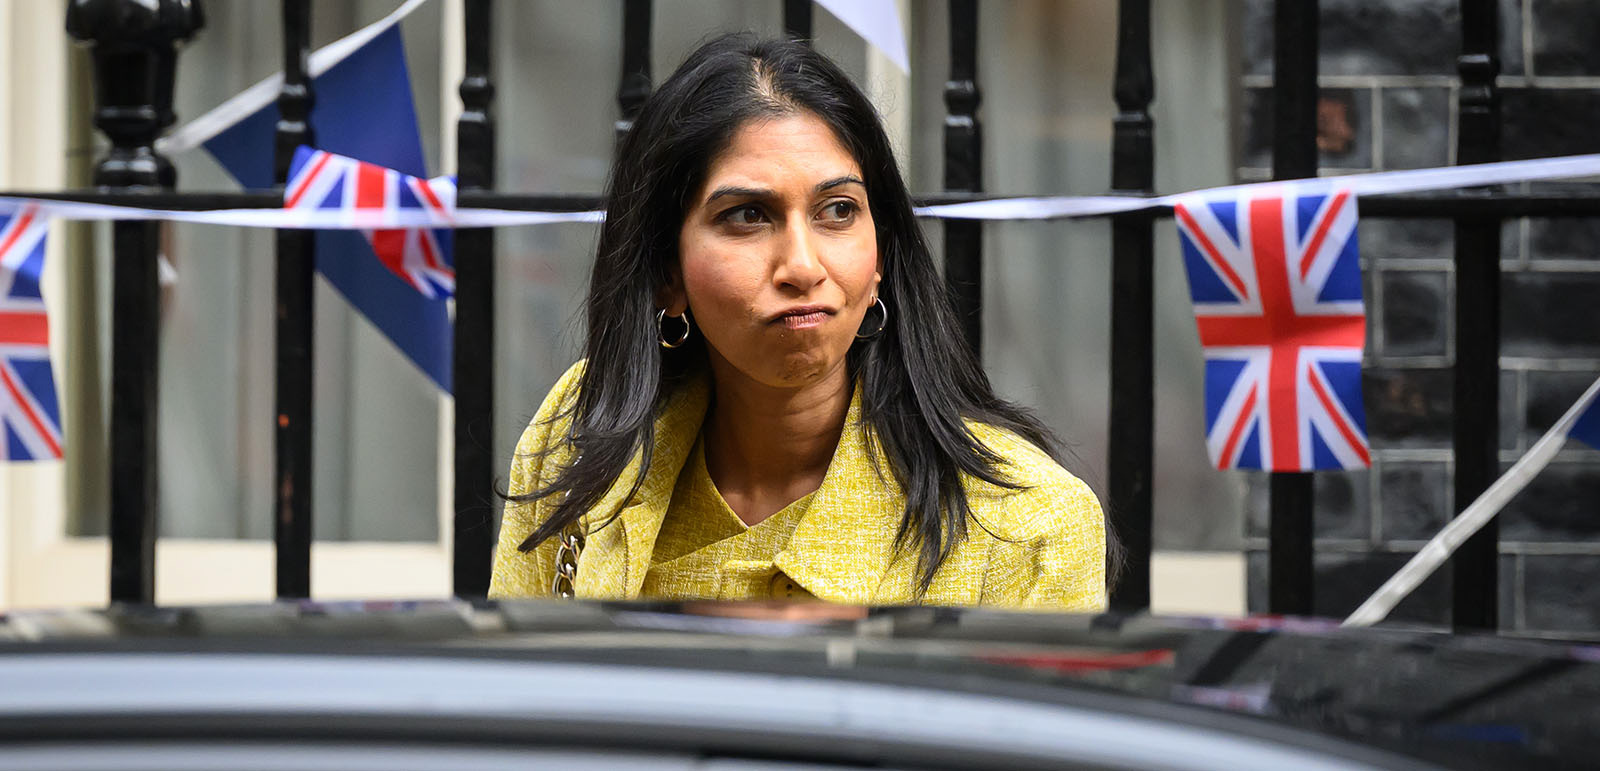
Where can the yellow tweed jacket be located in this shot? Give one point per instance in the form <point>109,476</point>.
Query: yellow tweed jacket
<point>1043,546</point>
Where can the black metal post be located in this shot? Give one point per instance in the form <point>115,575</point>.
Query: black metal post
<point>295,309</point>
<point>1132,449</point>
<point>963,172</point>
<point>797,19</point>
<point>473,351</point>
<point>1291,574</point>
<point>634,87</point>
<point>1475,565</point>
<point>134,48</point>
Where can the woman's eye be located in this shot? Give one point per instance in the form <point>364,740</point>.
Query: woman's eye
<point>745,215</point>
<point>839,211</point>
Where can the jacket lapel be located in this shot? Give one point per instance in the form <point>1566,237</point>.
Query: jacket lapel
<point>616,557</point>
<point>844,545</point>
<point>842,551</point>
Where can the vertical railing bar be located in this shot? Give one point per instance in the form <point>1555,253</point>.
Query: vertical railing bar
<point>634,87</point>
<point>963,172</point>
<point>1131,451</point>
<point>1291,572</point>
<point>295,307</point>
<point>135,299</point>
<point>135,62</point>
<point>473,349</point>
<point>1476,438</point>
<point>797,19</point>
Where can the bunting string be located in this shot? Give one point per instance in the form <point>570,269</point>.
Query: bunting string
<point>1028,208</point>
<point>1585,411</point>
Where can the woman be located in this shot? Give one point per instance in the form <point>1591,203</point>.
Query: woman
<point>776,401</point>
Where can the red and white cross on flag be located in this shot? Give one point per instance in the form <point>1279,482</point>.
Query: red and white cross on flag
<point>421,257</point>
<point>1275,278</point>
<point>30,423</point>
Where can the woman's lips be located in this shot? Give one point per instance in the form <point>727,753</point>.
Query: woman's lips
<point>803,320</point>
<point>805,317</point>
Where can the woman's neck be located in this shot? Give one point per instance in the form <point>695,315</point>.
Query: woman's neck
<point>768,447</point>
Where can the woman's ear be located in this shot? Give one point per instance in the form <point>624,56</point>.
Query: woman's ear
<point>671,295</point>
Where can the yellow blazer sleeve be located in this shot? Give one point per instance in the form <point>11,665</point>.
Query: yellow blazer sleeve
<point>1050,550</point>
<point>529,574</point>
<point>1067,563</point>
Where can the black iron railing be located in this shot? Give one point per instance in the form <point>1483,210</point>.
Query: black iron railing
<point>133,110</point>
<point>294,309</point>
<point>1291,572</point>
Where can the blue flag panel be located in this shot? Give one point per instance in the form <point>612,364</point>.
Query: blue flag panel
<point>364,110</point>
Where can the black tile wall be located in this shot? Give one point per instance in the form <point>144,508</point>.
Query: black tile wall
<point>1564,33</point>
<point>1404,55</point>
<point>1406,240</point>
<point>1415,321</point>
<point>1344,132</point>
<point>1408,407</point>
<point>1511,52</point>
<point>1345,580</point>
<point>1344,504</point>
<point>1416,499</point>
<point>1550,395</point>
<point>1416,127</point>
<point>1540,123</point>
<point>1413,37</point>
<point>1561,504</point>
<point>1510,409</point>
<point>1555,315</point>
<point>1562,591</point>
<point>1564,239</point>
<point>1372,37</point>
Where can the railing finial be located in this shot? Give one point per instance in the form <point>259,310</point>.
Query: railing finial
<point>135,50</point>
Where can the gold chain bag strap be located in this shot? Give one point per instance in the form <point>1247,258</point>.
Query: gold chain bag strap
<point>572,540</point>
<point>567,554</point>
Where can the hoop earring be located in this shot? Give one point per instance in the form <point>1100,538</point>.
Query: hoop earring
<point>661,334</point>
<point>881,325</point>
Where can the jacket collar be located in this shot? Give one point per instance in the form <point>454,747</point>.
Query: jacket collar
<point>841,550</point>
<point>845,543</point>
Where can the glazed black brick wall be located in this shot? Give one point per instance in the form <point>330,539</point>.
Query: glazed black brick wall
<point>1566,239</point>
<point>1559,505</point>
<point>1386,37</point>
<point>1550,314</point>
<point>1391,63</point>
<point>1256,149</point>
<point>1346,579</point>
<point>1564,32</point>
<point>1413,318</point>
<point>1413,136</point>
<point>1564,592</point>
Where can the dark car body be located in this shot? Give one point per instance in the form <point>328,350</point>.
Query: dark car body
<point>628,685</point>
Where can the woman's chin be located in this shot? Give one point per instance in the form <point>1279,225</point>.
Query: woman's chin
<point>799,369</point>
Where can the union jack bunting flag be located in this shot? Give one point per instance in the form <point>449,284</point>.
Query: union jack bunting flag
<point>1276,285</point>
<point>29,417</point>
<point>422,257</point>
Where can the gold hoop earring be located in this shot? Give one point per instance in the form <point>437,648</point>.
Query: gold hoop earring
<point>661,334</point>
<point>881,325</point>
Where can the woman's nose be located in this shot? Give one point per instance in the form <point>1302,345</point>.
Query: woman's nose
<point>799,264</point>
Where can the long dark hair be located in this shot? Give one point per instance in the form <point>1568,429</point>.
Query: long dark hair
<point>919,381</point>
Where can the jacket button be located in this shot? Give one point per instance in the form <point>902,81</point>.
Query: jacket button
<point>783,588</point>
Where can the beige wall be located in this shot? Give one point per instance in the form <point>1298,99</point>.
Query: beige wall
<point>32,156</point>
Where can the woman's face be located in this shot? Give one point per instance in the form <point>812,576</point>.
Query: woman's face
<point>778,257</point>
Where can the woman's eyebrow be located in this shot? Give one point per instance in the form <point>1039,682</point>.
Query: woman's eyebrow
<point>837,181</point>
<point>761,192</point>
<point>744,192</point>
